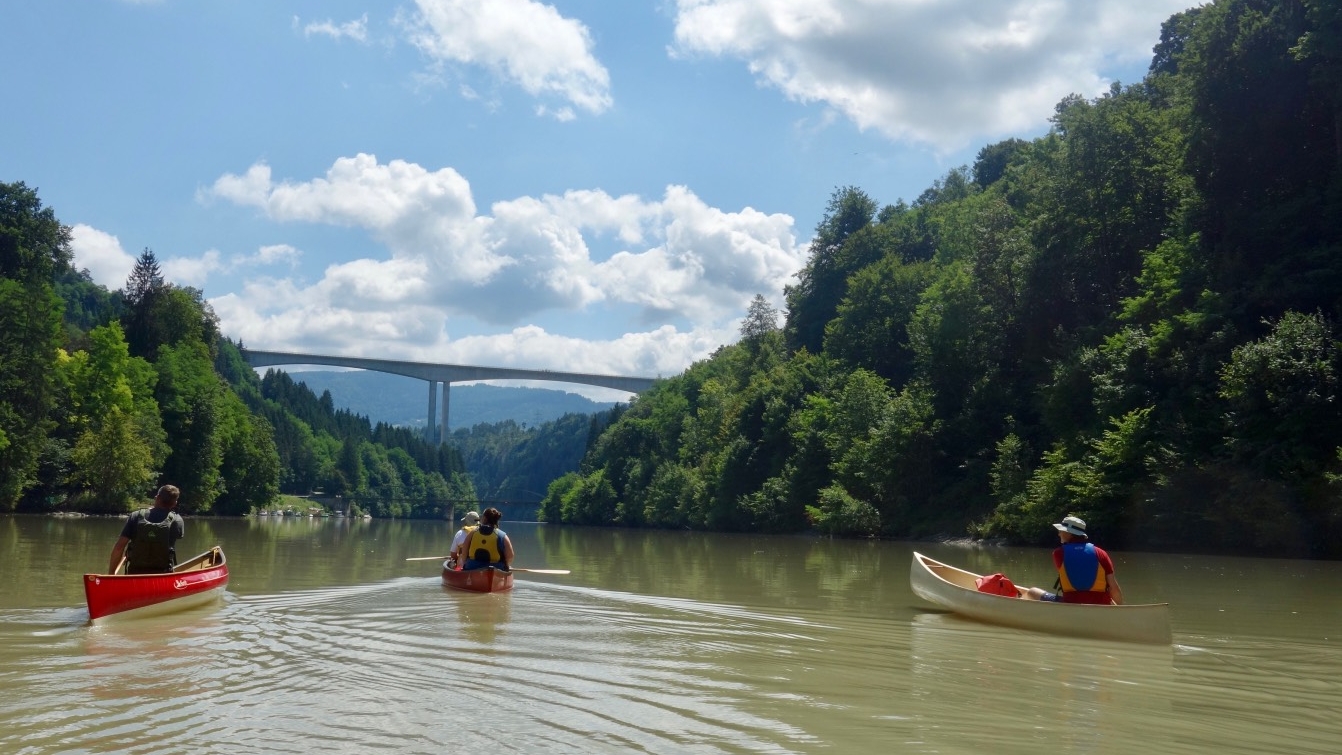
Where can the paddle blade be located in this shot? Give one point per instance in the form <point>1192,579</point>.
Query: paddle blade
<point>544,571</point>
<point>428,558</point>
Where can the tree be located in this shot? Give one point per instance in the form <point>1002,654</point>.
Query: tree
<point>112,463</point>
<point>350,475</point>
<point>167,316</point>
<point>871,328</point>
<point>34,249</point>
<point>34,246</point>
<point>1321,48</point>
<point>821,284</point>
<point>142,288</point>
<point>120,442</point>
<point>1262,149</point>
<point>249,465</point>
<point>992,161</point>
<point>760,320</point>
<point>146,279</point>
<point>1282,390</point>
<point>189,395</point>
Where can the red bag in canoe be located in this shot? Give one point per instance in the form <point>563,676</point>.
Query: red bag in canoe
<point>997,584</point>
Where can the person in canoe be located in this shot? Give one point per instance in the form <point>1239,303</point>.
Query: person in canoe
<point>149,538</point>
<point>1085,571</point>
<point>488,545</point>
<point>469,521</point>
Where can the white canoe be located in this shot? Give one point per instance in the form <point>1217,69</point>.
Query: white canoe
<point>954,589</point>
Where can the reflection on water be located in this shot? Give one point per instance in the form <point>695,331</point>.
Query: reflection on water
<point>329,641</point>
<point>481,616</point>
<point>981,688</point>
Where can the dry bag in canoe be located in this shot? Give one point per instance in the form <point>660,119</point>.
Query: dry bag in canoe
<point>997,584</point>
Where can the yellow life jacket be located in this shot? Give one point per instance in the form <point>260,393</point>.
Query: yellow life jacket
<point>484,546</point>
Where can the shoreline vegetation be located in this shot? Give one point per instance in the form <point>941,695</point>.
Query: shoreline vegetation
<point>1133,318</point>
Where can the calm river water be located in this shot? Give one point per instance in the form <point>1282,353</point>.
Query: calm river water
<point>659,642</point>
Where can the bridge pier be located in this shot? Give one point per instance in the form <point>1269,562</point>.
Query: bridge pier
<point>431,427</point>
<point>447,396</point>
<point>434,432</point>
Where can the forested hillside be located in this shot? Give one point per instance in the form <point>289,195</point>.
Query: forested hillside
<point>511,461</point>
<point>384,470</point>
<point>1133,318</point>
<point>106,395</point>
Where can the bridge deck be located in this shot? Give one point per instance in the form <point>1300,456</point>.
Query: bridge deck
<point>447,373</point>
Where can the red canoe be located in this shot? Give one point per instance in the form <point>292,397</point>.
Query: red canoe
<point>487,579</point>
<point>193,583</point>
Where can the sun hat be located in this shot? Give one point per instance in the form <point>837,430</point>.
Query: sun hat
<point>1072,525</point>
<point>470,517</point>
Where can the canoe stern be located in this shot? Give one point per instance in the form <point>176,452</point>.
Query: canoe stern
<point>488,579</point>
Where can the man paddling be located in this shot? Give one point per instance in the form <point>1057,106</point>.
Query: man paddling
<point>151,535</point>
<point>1085,571</point>
<point>469,521</point>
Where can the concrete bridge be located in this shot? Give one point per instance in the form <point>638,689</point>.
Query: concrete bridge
<point>445,374</point>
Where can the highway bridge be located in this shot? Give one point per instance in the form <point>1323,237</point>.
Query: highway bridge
<point>446,374</point>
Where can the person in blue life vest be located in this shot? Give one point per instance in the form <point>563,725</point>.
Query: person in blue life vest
<point>469,522</point>
<point>149,538</point>
<point>488,545</point>
<point>1085,571</point>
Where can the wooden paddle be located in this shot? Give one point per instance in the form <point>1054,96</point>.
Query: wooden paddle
<point>529,571</point>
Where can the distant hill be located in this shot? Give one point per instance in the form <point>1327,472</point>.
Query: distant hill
<point>404,401</point>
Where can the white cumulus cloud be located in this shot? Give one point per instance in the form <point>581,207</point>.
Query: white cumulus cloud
<point>101,254</point>
<point>681,271</point>
<point>192,271</point>
<point>940,73</point>
<point>524,42</point>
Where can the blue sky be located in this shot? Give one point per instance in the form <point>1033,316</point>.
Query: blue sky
<point>581,185</point>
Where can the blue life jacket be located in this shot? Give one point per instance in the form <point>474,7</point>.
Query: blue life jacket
<point>1081,570</point>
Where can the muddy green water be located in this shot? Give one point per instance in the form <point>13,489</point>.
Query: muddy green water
<point>659,642</point>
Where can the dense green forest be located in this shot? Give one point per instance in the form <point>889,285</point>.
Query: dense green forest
<point>106,395</point>
<point>1133,318</point>
<point>516,462</point>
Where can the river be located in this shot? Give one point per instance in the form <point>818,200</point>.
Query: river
<point>328,640</point>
